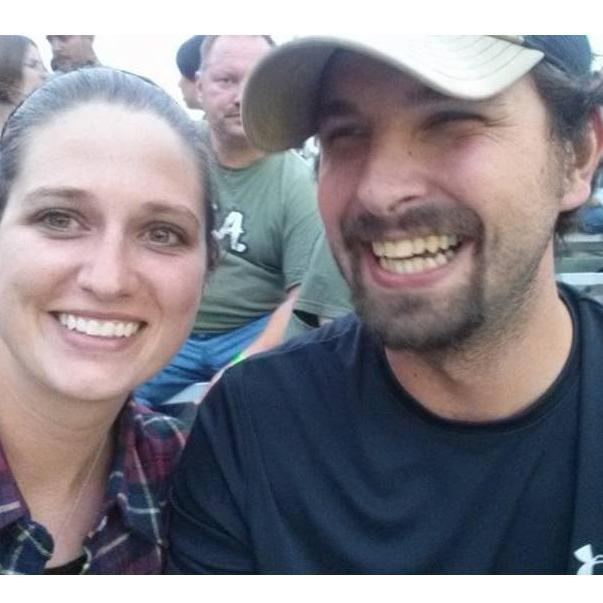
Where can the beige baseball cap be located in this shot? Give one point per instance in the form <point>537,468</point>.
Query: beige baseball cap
<point>281,94</point>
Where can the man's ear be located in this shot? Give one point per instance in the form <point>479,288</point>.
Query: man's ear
<point>584,160</point>
<point>199,88</point>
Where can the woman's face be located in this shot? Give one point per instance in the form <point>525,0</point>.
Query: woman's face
<point>103,254</point>
<point>34,72</point>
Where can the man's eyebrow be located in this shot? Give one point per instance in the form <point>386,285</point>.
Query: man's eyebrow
<point>420,96</point>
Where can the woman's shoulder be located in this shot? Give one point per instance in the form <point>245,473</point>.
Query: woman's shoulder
<point>155,439</point>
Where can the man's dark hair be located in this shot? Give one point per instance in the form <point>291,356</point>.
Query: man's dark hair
<point>571,93</point>
<point>188,57</point>
<point>62,94</point>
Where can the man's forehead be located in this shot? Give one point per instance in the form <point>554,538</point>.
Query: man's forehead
<point>232,48</point>
<point>349,75</point>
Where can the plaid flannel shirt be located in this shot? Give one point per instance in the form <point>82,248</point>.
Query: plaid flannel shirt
<point>129,535</point>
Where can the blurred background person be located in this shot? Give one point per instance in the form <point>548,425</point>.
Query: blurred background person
<point>267,223</point>
<point>21,72</point>
<point>188,59</point>
<point>72,52</point>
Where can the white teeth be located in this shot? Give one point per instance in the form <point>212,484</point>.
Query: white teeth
<point>441,259</point>
<point>432,243</point>
<point>389,249</point>
<point>416,264</point>
<point>403,249</point>
<point>92,327</point>
<point>418,246</point>
<point>379,248</point>
<point>98,328</point>
<point>407,248</point>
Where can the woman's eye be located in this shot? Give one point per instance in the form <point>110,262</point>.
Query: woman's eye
<point>59,220</point>
<point>164,236</point>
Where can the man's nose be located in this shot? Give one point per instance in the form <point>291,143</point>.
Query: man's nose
<point>395,172</point>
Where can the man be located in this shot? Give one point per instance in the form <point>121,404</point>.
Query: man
<point>188,59</point>
<point>267,222</point>
<point>72,52</point>
<point>455,425</point>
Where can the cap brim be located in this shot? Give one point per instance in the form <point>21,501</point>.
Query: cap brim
<point>283,90</point>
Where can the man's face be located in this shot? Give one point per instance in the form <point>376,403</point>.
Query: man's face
<point>440,212</point>
<point>69,52</point>
<point>221,82</point>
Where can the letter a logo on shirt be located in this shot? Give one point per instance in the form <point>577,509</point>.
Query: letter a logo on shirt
<point>233,227</point>
<point>585,554</point>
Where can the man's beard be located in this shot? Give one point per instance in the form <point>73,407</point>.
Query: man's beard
<point>65,65</point>
<point>419,322</point>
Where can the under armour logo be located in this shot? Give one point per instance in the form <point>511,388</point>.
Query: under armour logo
<point>585,554</point>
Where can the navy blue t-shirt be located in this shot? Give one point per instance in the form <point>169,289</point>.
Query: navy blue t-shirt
<point>313,459</point>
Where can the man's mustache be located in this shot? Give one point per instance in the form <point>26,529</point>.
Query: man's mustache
<point>414,221</point>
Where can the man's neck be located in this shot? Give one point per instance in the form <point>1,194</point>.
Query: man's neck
<point>494,380</point>
<point>235,156</point>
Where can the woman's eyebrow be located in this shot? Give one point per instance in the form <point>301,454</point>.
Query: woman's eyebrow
<point>63,192</point>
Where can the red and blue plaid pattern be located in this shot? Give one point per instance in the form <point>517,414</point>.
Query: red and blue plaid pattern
<point>129,536</point>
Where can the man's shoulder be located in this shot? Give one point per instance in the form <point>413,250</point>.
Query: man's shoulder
<point>332,336</point>
<point>311,356</point>
<point>586,307</point>
<point>301,378</point>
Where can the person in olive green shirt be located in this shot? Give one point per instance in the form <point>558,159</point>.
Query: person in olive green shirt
<point>267,223</point>
<point>324,295</point>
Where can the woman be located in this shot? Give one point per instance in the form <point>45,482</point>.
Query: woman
<point>21,72</point>
<point>105,240</point>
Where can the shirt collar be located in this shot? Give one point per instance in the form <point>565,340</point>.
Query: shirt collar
<point>137,481</point>
<point>12,505</point>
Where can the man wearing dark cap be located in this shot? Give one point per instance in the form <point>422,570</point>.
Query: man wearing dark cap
<point>188,59</point>
<point>454,424</point>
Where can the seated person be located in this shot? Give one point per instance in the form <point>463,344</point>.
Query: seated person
<point>266,223</point>
<point>323,295</point>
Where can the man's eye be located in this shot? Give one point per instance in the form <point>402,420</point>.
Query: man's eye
<point>454,117</point>
<point>331,135</point>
